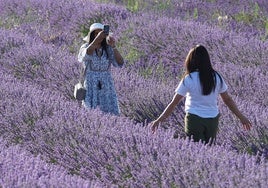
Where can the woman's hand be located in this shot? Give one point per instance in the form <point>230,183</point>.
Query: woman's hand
<point>110,41</point>
<point>245,122</point>
<point>227,99</point>
<point>169,109</point>
<point>100,36</point>
<point>154,125</point>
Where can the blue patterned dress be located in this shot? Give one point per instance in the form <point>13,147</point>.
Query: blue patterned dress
<point>98,81</point>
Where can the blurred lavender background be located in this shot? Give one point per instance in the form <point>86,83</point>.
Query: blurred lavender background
<point>47,140</point>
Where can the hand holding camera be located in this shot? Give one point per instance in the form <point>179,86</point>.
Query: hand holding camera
<point>103,34</point>
<point>106,29</point>
<point>110,40</point>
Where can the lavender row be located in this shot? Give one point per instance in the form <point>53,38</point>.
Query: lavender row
<point>116,151</point>
<point>60,23</point>
<point>21,57</point>
<point>38,111</point>
<point>19,168</point>
<point>166,52</point>
<point>112,149</point>
<point>38,70</point>
<point>249,16</point>
<point>58,71</point>
<point>165,43</point>
<point>30,59</point>
<point>145,99</point>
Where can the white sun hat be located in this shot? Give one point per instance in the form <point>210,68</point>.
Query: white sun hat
<point>92,28</point>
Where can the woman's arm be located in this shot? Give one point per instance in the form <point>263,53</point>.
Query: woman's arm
<point>118,57</point>
<point>166,113</point>
<point>233,107</point>
<point>96,43</point>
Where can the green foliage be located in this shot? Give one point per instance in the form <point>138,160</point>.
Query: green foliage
<point>158,70</point>
<point>133,55</point>
<point>244,17</point>
<point>139,5</point>
<point>127,173</point>
<point>256,10</point>
<point>254,17</point>
<point>132,5</point>
<point>251,16</point>
<point>195,15</point>
<point>265,37</point>
<point>53,161</point>
<point>252,145</point>
<point>163,5</point>
<point>192,14</point>
<point>75,171</point>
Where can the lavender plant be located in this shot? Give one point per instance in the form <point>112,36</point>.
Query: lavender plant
<point>19,168</point>
<point>175,37</point>
<point>38,69</point>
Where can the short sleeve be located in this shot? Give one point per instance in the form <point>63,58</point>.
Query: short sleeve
<point>181,89</point>
<point>82,55</point>
<point>223,87</point>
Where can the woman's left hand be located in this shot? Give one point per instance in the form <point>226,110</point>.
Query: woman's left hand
<point>154,126</point>
<point>110,40</point>
<point>246,123</point>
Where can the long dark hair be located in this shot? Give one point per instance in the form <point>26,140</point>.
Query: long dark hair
<point>103,43</point>
<point>198,60</point>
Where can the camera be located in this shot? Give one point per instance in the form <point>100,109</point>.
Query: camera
<point>106,29</point>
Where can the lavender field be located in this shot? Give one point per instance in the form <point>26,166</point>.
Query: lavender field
<point>47,140</point>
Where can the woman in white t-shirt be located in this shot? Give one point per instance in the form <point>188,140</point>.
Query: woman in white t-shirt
<point>201,86</point>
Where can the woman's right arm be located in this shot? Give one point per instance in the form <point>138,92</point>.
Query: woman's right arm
<point>94,44</point>
<point>233,107</point>
<point>91,48</point>
<point>167,112</point>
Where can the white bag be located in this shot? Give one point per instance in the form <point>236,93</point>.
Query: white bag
<point>79,91</point>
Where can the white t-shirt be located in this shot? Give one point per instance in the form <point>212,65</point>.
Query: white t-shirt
<point>205,106</point>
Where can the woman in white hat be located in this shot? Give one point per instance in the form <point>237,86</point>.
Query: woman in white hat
<point>97,55</point>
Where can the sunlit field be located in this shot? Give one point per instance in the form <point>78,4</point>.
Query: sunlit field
<point>48,140</point>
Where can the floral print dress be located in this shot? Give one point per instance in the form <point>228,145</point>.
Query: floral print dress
<point>98,80</point>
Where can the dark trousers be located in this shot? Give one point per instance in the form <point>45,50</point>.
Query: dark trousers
<point>204,129</point>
